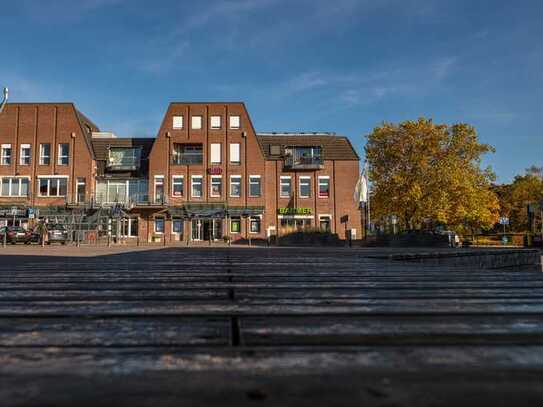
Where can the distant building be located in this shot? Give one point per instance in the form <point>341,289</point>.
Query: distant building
<point>207,175</point>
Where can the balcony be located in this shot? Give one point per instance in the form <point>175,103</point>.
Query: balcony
<point>123,159</point>
<point>187,159</point>
<point>303,158</point>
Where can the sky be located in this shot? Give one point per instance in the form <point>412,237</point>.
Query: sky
<point>299,65</point>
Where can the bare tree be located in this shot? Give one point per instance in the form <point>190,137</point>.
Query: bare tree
<point>5,101</point>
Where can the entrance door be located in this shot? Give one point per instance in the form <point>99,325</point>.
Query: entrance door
<point>196,230</point>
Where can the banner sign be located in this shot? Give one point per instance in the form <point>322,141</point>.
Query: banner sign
<point>214,171</point>
<point>294,211</point>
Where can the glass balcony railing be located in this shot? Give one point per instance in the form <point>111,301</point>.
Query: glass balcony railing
<point>187,159</point>
<point>304,158</point>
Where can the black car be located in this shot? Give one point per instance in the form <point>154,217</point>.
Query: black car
<point>57,234</point>
<point>14,234</point>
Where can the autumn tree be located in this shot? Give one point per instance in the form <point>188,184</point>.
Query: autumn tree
<point>425,172</point>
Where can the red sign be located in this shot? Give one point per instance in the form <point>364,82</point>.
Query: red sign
<point>214,170</point>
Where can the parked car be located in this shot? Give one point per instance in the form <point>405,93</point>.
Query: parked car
<point>57,234</point>
<point>14,234</point>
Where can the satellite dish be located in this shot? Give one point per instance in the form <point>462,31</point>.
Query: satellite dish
<point>5,101</point>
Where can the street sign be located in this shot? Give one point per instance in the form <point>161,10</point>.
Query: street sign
<point>504,220</point>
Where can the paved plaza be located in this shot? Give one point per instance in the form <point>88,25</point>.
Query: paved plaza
<point>271,326</point>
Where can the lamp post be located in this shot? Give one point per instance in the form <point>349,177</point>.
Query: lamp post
<point>5,101</point>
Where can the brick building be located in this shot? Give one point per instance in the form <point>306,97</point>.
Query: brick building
<point>206,176</point>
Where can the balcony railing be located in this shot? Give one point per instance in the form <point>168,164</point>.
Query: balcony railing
<point>303,163</point>
<point>121,159</point>
<point>187,159</point>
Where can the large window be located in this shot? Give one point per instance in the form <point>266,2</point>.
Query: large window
<point>324,187</point>
<point>303,157</point>
<point>215,153</point>
<point>196,186</point>
<point>178,186</point>
<point>45,154</point>
<point>286,187</point>
<point>26,154</point>
<point>234,153</point>
<point>14,186</point>
<point>255,223</point>
<point>5,154</point>
<point>124,158</point>
<point>305,187</point>
<point>255,187</point>
<point>187,154</point>
<point>216,186</point>
<point>50,186</point>
<point>235,186</point>
<point>63,154</point>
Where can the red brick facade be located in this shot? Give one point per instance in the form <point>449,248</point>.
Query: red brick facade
<point>182,151</point>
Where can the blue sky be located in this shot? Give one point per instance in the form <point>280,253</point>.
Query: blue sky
<point>300,65</point>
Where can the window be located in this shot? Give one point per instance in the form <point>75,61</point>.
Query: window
<point>215,153</point>
<point>177,226</point>
<point>80,194</point>
<point>159,189</point>
<point>5,154</point>
<point>324,187</point>
<point>63,154</point>
<point>235,186</point>
<point>234,153</point>
<point>50,186</point>
<point>177,122</point>
<point>303,157</point>
<point>129,227</point>
<point>305,187</point>
<point>235,122</point>
<point>235,224</point>
<point>286,187</point>
<point>124,158</point>
<point>196,186</point>
<point>45,154</point>
<point>187,154</point>
<point>159,225</point>
<point>324,223</point>
<point>196,122</point>
<point>25,158</point>
<point>215,122</point>
<point>178,185</point>
<point>255,224</point>
<point>216,186</point>
<point>254,185</point>
<point>15,186</point>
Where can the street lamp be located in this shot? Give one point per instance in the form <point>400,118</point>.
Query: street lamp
<point>5,101</point>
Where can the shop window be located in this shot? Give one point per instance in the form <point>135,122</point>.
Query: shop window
<point>286,187</point>
<point>216,186</point>
<point>324,187</point>
<point>255,224</point>
<point>235,186</point>
<point>255,188</point>
<point>235,224</point>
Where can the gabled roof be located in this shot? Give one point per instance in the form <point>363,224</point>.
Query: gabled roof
<point>333,147</point>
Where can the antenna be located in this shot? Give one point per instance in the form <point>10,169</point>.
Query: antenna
<point>5,101</point>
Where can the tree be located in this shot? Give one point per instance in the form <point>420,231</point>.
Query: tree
<point>424,172</point>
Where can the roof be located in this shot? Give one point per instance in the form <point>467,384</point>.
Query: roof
<point>101,146</point>
<point>333,147</point>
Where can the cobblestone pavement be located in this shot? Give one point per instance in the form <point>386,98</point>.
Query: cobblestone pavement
<point>200,326</point>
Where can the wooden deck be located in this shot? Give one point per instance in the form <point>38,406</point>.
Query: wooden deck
<point>266,326</point>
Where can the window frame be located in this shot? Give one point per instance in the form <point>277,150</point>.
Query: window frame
<point>4,156</point>
<point>238,147</point>
<point>259,178</point>
<point>212,183</point>
<point>178,118</point>
<point>60,156</point>
<point>158,180</point>
<point>192,184</point>
<point>155,225</point>
<point>196,117</point>
<point>20,179</point>
<point>231,119</point>
<point>22,157</point>
<point>323,178</point>
<point>258,219</point>
<point>289,178</point>
<point>178,180</point>
<point>236,219</point>
<point>240,183</point>
<point>43,156</point>
<point>49,178</point>
<point>211,125</point>
<point>213,151</point>
<point>174,220</point>
<point>300,179</point>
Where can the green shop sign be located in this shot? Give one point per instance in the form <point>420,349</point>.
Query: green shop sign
<point>294,211</point>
